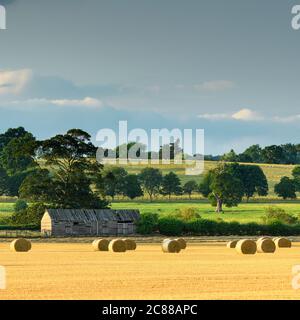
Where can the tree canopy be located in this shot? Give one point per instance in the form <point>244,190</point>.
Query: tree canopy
<point>223,186</point>
<point>286,188</point>
<point>171,185</point>
<point>151,180</point>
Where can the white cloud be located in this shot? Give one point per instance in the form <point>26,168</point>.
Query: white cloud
<point>87,102</point>
<point>288,119</point>
<point>241,115</point>
<point>14,81</point>
<point>215,86</point>
<point>214,116</point>
<point>247,115</point>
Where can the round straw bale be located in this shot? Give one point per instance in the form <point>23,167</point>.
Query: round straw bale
<point>29,245</point>
<point>266,246</point>
<point>20,245</point>
<point>130,244</point>
<point>100,245</point>
<point>182,243</point>
<point>117,245</point>
<point>171,246</point>
<point>232,244</point>
<point>246,247</point>
<point>283,243</point>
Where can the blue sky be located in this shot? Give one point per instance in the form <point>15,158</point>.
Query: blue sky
<point>230,67</point>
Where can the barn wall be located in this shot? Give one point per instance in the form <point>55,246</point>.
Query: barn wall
<point>83,224</point>
<point>46,225</point>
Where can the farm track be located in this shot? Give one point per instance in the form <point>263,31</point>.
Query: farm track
<point>203,271</point>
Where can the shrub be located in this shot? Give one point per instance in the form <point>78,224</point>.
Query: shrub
<point>148,223</point>
<point>277,228</point>
<point>251,228</point>
<point>234,228</point>
<point>202,227</point>
<point>274,214</point>
<point>188,214</point>
<point>32,215</point>
<point>170,226</point>
<point>173,226</point>
<point>20,205</point>
<point>194,226</point>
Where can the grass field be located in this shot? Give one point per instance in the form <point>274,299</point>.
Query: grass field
<point>6,209</point>
<point>202,271</point>
<point>246,212</point>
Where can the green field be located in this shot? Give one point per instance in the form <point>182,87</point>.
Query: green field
<point>246,212</point>
<point>6,209</point>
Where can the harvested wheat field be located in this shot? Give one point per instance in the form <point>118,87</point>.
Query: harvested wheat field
<point>202,271</point>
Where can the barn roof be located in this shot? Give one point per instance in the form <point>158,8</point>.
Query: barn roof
<point>87,215</point>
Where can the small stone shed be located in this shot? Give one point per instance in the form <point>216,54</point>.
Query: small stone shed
<point>88,222</point>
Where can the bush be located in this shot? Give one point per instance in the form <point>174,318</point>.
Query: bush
<point>188,214</point>
<point>173,226</point>
<point>148,223</point>
<point>251,228</point>
<point>276,214</point>
<point>277,228</point>
<point>32,215</point>
<point>202,227</point>
<point>234,228</point>
<point>20,205</point>
<point>170,226</point>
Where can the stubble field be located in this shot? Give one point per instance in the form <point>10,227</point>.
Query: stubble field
<point>202,271</point>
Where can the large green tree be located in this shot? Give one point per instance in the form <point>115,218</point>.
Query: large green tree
<point>189,187</point>
<point>151,180</point>
<point>286,188</point>
<point>222,186</point>
<point>254,181</point>
<point>296,176</point>
<point>273,154</point>
<point>252,154</point>
<point>171,185</point>
<point>113,181</point>
<point>38,187</point>
<point>16,180</point>
<point>19,154</point>
<point>10,134</point>
<point>73,172</point>
<point>17,157</point>
<point>132,188</point>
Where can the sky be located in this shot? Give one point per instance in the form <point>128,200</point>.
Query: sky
<point>231,68</point>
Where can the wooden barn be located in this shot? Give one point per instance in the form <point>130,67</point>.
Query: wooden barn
<point>88,222</point>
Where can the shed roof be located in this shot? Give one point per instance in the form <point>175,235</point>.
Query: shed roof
<point>89,215</point>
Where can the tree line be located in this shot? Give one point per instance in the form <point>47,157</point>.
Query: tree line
<point>274,154</point>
